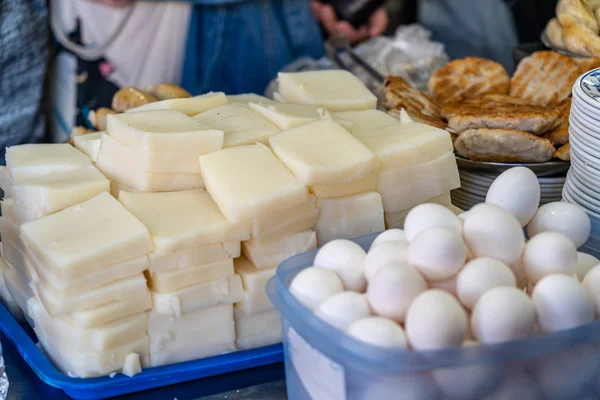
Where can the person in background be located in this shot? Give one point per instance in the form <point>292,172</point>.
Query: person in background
<point>234,46</point>
<point>24,54</point>
<point>383,21</point>
<point>239,46</point>
<point>531,17</point>
<point>489,29</point>
<point>472,28</point>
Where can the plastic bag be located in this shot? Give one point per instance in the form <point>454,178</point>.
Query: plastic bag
<point>410,53</point>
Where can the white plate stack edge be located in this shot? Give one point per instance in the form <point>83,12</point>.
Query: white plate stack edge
<point>583,179</point>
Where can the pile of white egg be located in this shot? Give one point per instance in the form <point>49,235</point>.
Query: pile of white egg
<point>448,281</point>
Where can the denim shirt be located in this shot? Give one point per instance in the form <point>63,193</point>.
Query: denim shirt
<point>24,54</point>
<point>238,46</point>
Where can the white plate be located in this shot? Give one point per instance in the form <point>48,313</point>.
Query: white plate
<point>465,198</point>
<point>582,199</point>
<point>468,195</point>
<point>548,168</point>
<point>584,176</point>
<point>583,188</point>
<point>584,123</point>
<point>476,192</point>
<point>583,105</point>
<point>586,171</point>
<point>588,86</point>
<point>582,153</point>
<point>552,185</point>
<point>477,179</point>
<point>570,197</point>
<point>581,142</point>
<point>486,179</point>
<point>579,127</point>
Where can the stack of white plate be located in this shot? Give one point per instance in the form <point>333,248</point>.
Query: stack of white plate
<point>583,180</point>
<point>477,177</point>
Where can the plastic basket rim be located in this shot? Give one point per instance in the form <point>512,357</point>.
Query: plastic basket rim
<point>149,378</point>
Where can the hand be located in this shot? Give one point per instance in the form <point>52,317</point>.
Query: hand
<point>114,3</point>
<point>377,24</point>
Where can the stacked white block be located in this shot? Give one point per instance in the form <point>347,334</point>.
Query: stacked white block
<point>191,274</point>
<point>155,151</point>
<point>88,291</point>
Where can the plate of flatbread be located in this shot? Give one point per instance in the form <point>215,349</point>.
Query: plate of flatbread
<point>496,120</point>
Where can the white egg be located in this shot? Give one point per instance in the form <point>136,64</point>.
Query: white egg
<point>591,283</point>
<point>568,374</point>
<point>448,285</point>
<point>429,215</point>
<point>378,331</point>
<point>342,309</point>
<point>517,190</point>
<point>401,386</point>
<point>479,276</point>
<point>519,272</point>
<point>585,262</point>
<point>491,231</point>
<point>517,386</point>
<point>470,381</point>
<point>463,216</point>
<point>503,314</point>
<point>435,320</point>
<point>438,253</point>
<point>314,285</point>
<point>549,253</point>
<point>561,303</point>
<point>566,218</point>
<point>391,235</point>
<point>393,288</point>
<point>347,259</point>
<point>384,254</point>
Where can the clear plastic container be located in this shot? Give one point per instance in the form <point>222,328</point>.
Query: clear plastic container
<point>322,363</point>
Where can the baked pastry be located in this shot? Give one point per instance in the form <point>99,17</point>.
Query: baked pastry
<point>399,94</point>
<point>128,98</point>
<point>579,39</point>
<point>560,135</point>
<point>486,102</point>
<point>530,118</point>
<point>166,91</point>
<point>417,117</point>
<point>98,117</point>
<point>587,64</point>
<point>577,10</point>
<point>545,77</point>
<point>564,152</point>
<point>468,77</point>
<point>554,33</point>
<point>503,145</point>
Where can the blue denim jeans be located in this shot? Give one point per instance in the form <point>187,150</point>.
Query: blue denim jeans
<point>239,46</point>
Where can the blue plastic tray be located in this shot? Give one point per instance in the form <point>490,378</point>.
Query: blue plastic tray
<point>99,388</point>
